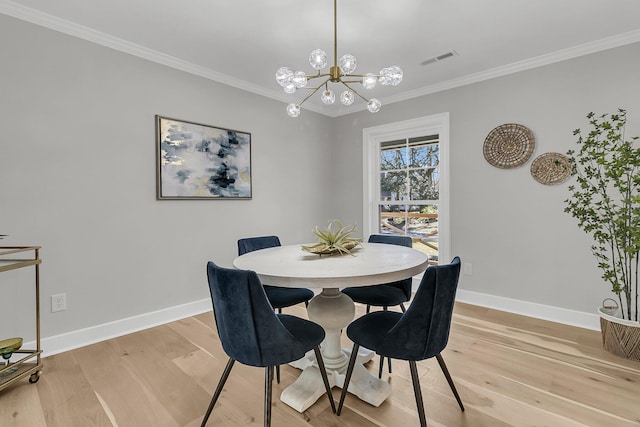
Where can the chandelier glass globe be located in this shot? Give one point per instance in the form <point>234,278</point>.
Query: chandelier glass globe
<point>284,75</point>
<point>293,110</point>
<point>374,105</point>
<point>369,81</point>
<point>318,59</point>
<point>348,64</point>
<point>328,97</point>
<point>299,79</point>
<point>347,97</point>
<point>391,76</point>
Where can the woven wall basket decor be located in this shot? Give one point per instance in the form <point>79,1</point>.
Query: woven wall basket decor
<point>551,168</point>
<point>508,146</point>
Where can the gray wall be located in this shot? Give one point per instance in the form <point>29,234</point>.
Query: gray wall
<point>78,178</point>
<point>509,227</point>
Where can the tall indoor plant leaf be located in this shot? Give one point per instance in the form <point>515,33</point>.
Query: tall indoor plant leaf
<point>606,202</point>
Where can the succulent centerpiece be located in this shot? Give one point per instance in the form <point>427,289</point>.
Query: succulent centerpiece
<point>336,238</point>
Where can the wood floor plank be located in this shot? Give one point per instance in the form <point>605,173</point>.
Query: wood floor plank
<point>554,375</point>
<point>200,333</point>
<point>151,353</point>
<point>67,397</point>
<point>20,406</point>
<point>510,370</point>
<point>123,396</point>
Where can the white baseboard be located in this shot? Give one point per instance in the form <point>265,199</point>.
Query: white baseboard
<point>75,339</point>
<point>530,309</point>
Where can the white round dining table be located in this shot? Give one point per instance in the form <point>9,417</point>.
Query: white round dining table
<point>368,264</point>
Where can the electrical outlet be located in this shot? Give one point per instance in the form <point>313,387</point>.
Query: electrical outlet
<point>58,302</point>
<point>467,269</point>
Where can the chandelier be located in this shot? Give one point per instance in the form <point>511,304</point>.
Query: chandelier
<point>341,72</point>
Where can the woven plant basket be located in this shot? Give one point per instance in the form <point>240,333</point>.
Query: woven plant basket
<point>619,336</point>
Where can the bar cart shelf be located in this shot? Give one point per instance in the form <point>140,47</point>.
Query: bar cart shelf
<point>30,364</point>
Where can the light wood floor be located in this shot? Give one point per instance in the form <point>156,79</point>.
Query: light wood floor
<point>509,370</point>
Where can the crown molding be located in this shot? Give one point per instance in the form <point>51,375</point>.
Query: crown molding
<point>516,67</point>
<point>80,31</point>
<point>527,64</point>
<point>57,24</point>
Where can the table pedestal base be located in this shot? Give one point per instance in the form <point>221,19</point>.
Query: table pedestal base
<point>333,310</point>
<point>308,388</point>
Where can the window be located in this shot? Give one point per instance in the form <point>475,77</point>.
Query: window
<point>406,191</point>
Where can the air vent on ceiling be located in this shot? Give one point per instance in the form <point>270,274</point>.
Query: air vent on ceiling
<point>439,58</point>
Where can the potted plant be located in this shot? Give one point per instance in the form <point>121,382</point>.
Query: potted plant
<point>606,203</point>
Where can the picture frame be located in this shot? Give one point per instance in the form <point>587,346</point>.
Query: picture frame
<point>195,161</point>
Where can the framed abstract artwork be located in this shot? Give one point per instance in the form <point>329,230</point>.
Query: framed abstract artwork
<point>201,162</point>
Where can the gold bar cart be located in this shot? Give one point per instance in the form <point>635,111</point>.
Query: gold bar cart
<point>11,258</point>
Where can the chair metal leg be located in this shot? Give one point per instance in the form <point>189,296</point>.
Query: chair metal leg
<point>385,308</point>
<point>323,372</point>
<point>418,393</point>
<point>402,308</point>
<point>306,303</point>
<point>368,308</point>
<point>216,394</point>
<point>278,367</point>
<point>382,365</point>
<point>445,371</point>
<point>347,378</point>
<point>268,386</point>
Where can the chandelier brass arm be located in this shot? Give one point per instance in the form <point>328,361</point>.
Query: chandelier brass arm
<point>314,90</point>
<point>353,90</point>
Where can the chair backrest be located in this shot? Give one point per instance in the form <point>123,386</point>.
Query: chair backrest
<point>251,244</point>
<point>406,284</point>
<point>423,331</point>
<point>391,239</point>
<point>249,330</point>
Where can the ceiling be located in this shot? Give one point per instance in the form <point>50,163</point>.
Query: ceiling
<point>242,43</point>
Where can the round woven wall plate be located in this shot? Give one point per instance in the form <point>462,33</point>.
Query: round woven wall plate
<point>508,146</point>
<point>551,168</point>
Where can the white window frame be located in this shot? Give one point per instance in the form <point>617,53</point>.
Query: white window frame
<point>422,126</point>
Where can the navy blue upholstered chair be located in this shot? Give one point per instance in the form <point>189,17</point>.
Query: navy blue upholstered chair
<point>252,334</point>
<point>387,295</point>
<point>278,297</point>
<point>420,333</point>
